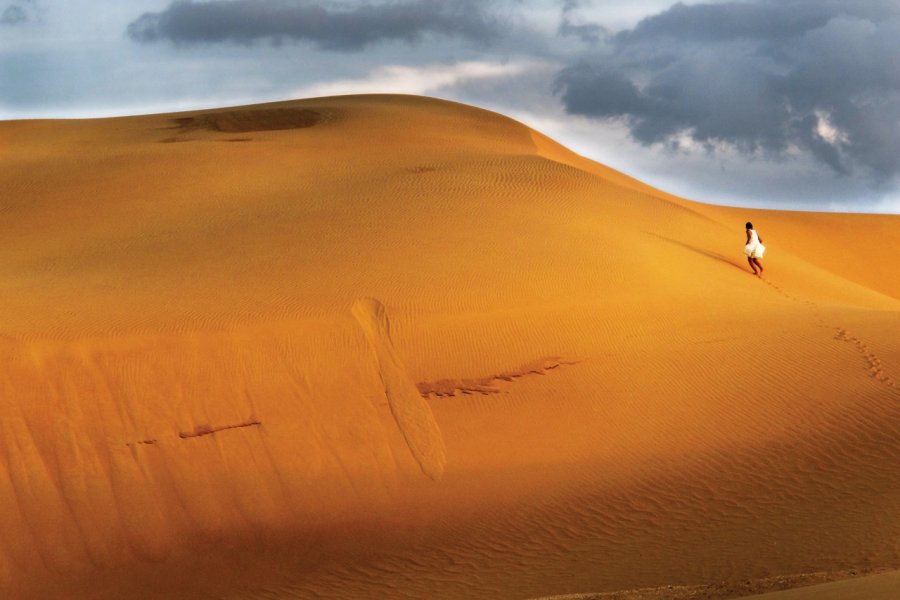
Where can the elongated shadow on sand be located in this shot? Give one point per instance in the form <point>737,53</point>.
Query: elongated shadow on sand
<point>706,253</point>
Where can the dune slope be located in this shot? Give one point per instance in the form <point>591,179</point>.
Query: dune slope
<point>388,346</point>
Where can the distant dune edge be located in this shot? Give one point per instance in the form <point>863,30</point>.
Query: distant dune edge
<point>388,346</point>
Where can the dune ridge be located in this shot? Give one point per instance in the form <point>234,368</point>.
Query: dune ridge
<point>569,382</point>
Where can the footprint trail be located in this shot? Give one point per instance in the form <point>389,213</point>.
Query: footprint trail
<point>873,363</point>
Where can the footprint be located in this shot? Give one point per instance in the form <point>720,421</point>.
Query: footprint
<point>873,362</point>
<point>776,288</point>
<point>411,412</point>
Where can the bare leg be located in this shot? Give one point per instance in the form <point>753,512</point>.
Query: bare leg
<point>758,264</point>
<point>752,266</point>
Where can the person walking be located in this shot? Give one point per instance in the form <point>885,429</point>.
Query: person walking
<point>754,249</point>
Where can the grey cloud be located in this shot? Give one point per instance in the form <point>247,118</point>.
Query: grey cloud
<point>13,15</point>
<point>764,77</point>
<point>350,28</point>
<point>759,19</point>
<point>18,13</point>
<point>590,33</point>
<point>729,21</point>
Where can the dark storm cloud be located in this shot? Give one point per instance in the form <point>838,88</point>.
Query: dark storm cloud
<point>349,28</point>
<point>711,22</point>
<point>762,76</point>
<point>590,33</point>
<point>18,13</point>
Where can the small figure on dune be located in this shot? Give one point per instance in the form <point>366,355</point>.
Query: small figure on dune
<point>754,249</point>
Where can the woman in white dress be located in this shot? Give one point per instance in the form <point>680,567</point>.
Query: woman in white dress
<point>754,249</point>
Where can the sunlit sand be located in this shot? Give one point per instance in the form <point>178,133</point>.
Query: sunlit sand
<point>395,347</point>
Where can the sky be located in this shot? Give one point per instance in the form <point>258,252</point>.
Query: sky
<point>789,104</point>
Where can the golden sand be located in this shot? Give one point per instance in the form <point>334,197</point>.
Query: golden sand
<point>395,347</point>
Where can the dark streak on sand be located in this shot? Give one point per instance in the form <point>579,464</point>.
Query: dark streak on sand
<point>487,385</point>
<point>243,121</point>
<point>202,430</point>
<point>145,442</point>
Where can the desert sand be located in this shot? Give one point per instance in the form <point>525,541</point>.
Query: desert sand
<point>396,347</point>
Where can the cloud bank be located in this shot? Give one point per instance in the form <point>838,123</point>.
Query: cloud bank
<point>770,77</point>
<point>349,28</point>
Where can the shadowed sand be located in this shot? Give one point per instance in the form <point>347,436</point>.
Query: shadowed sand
<point>569,382</point>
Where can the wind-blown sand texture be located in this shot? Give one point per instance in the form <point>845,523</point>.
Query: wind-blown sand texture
<point>395,347</point>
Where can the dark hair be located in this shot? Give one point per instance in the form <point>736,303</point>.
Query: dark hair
<point>749,225</point>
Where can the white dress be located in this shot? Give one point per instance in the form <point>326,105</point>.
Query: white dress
<point>754,248</point>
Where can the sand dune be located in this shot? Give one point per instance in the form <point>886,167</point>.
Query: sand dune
<point>395,347</point>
